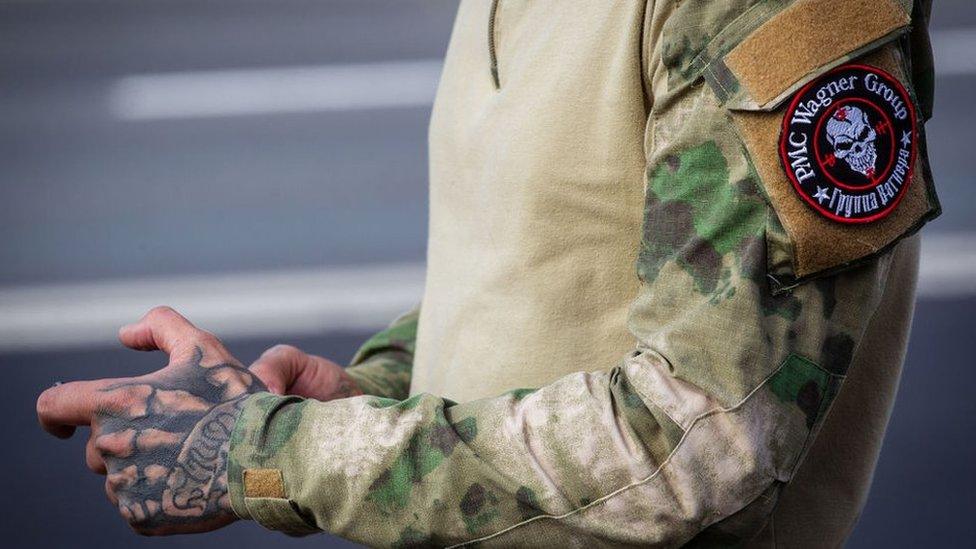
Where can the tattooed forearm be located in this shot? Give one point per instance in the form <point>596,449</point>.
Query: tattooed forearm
<point>166,448</point>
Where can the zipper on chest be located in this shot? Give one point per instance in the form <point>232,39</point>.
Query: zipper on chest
<point>492,54</point>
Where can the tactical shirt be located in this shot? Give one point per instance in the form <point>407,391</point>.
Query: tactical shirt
<point>761,162</point>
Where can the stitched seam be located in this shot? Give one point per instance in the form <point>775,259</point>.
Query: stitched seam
<point>746,20</point>
<point>814,364</point>
<point>654,402</point>
<point>664,411</point>
<point>649,478</point>
<point>714,78</point>
<point>645,61</point>
<point>821,416</point>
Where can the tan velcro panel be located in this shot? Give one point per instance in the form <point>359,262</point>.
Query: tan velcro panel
<point>264,483</point>
<point>807,36</point>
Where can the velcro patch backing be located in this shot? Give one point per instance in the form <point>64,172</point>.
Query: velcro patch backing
<point>820,244</point>
<point>264,483</point>
<point>807,36</point>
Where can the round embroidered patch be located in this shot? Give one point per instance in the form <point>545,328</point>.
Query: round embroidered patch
<point>848,143</point>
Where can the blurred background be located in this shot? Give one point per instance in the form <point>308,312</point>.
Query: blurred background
<point>261,166</point>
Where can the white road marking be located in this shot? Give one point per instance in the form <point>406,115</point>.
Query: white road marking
<point>948,266</point>
<point>297,302</point>
<point>955,51</point>
<point>307,302</point>
<point>242,92</point>
<point>345,87</point>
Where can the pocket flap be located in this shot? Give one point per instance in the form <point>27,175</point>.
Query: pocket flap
<point>814,241</point>
<point>834,217</point>
<point>792,47</point>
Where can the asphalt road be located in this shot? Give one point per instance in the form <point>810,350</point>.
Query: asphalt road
<point>85,195</point>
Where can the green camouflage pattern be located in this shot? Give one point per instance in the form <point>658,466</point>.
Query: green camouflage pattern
<point>688,50</point>
<point>688,440</point>
<point>382,365</point>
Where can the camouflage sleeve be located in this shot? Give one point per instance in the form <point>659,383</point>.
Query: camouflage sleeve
<point>711,413</point>
<point>382,366</point>
<point>691,435</point>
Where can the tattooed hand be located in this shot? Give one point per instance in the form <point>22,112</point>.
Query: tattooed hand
<point>162,438</point>
<point>287,370</point>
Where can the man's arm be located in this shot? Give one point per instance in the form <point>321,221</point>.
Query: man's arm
<point>728,384</point>
<point>632,454</point>
<point>711,413</point>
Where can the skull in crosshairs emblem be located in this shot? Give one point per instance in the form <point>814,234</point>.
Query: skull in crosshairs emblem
<point>850,133</point>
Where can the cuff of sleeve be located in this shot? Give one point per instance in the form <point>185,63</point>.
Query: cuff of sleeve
<point>257,482</point>
<point>385,375</point>
<point>360,373</point>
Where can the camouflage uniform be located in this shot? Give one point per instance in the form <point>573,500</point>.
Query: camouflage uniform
<point>699,430</point>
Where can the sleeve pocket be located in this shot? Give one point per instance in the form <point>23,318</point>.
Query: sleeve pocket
<point>760,71</point>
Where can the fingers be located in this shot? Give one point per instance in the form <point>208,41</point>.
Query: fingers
<point>122,444</point>
<point>285,369</point>
<point>166,330</point>
<point>118,482</point>
<point>60,409</point>
<point>93,458</point>
<point>110,487</point>
<point>279,366</point>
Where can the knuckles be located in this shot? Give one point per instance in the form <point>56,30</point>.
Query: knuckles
<point>95,464</point>
<point>161,313</point>
<point>129,400</point>
<point>207,339</point>
<point>139,525</point>
<point>281,351</point>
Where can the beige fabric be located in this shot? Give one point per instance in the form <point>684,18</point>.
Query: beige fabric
<point>792,45</point>
<point>536,193</point>
<point>536,199</point>
<point>820,507</point>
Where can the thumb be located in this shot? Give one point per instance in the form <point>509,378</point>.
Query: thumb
<point>279,367</point>
<point>287,370</point>
<point>166,330</point>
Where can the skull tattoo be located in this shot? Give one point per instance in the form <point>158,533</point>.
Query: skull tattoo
<point>850,133</point>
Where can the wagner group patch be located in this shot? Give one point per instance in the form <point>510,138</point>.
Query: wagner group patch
<point>848,143</point>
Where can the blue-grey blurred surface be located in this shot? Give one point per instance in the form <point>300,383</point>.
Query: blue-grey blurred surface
<point>96,191</point>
